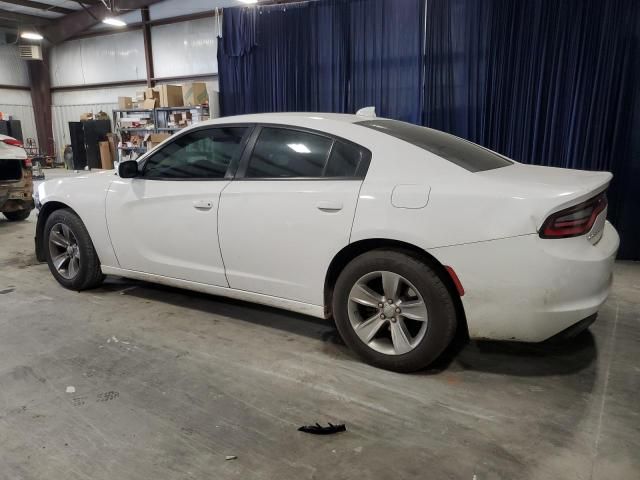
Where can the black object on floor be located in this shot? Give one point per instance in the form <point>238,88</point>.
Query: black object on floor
<point>317,429</point>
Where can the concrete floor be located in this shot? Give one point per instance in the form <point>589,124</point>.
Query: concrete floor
<point>168,383</point>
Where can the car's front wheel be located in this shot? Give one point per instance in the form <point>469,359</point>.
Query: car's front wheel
<point>393,310</point>
<point>70,254</point>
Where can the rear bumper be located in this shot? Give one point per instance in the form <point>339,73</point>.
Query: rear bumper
<point>15,205</point>
<point>530,289</point>
<point>575,329</point>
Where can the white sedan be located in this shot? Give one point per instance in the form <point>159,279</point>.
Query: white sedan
<point>401,234</point>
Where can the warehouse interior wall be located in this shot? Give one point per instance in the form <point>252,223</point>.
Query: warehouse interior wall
<point>16,102</point>
<point>185,48</point>
<point>95,60</point>
<point>67,106</point>
<point>80,67</point>
<point>14,69</point>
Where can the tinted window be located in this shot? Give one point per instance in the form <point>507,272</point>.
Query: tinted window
<point>456,150</point>
<point>344,161</point>
<point>199,154</point>
<point>288,153</point>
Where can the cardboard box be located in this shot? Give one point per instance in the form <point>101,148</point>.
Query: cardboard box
<point>105,156</point>
<point>195,94</point>
<point>170,96</point>
<point>154,139</point>
<point>149,103</point>
<point>112,140</point>
<point>140,96</point>
<point>125,103</point>
<point>150,93</point>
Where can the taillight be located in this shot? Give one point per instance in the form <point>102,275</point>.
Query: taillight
<point>574,221</point>
<point>13,142</point>
<point>27,163</point>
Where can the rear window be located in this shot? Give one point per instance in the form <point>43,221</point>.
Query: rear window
<point>463,153</point>
<point>344,160</point>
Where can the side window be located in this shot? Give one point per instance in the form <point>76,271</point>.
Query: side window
<point>281,153</point>
<point>199,154</point>
<point>344,160</point>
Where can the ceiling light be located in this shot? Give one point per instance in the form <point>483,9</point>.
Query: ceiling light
<point>298,147</point>
<point>114,22</point>
<point>248,1</point>
<point>31,36</point>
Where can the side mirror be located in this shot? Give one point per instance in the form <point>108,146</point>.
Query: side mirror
<point>128,169</point>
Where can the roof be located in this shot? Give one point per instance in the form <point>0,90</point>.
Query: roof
<point>288,117</point>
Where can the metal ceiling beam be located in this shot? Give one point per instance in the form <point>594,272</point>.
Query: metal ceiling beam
<point>40,6</point>
<point>18,19</point>
<point>88,2</point>
<point>81,20</point>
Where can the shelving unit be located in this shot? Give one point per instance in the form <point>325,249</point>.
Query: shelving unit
<point>161,124</point>
<point>124,133</point>
<point>163,114</point>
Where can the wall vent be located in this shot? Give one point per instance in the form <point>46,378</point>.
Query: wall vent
<point>30,52</point>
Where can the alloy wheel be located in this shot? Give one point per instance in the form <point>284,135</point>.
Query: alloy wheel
<point>388,313</point>
<point>64,250</point>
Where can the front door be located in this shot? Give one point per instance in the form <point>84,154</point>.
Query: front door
<point>165,222</point>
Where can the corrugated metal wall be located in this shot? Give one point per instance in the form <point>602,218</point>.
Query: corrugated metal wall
<point>180,49</point>
<point>174,8</point>
<point>185,48</point>
<point>14,69</point>
<point>107,58</point>
<point>18,104</point>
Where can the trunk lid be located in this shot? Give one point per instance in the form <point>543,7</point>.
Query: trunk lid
<point>546,189</point>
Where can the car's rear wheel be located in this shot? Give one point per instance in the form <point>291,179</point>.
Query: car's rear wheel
<point>17,215</point>
<point>70,254</point>
<point>393,310</point>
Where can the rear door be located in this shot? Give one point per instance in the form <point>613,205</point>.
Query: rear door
<point>289,211</point>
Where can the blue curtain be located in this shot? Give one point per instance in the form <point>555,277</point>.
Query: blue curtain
<point>284,58</point>
<point>543,82</point>
<point>236,71</point>
<point>328,55</point>
<point>386,57</point>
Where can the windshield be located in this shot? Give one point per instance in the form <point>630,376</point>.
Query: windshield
<point>463,153</point>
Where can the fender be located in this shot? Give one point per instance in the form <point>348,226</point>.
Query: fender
<point>86,196</point>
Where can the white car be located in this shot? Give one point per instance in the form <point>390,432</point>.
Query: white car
<point>402,234</point>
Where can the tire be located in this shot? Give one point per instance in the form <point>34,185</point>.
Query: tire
<point>18,215</point>
<point>421,293</point>
<point>85,272</point>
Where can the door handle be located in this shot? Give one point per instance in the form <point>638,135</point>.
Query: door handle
<point>202,205</point>
<point>328,206</point>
